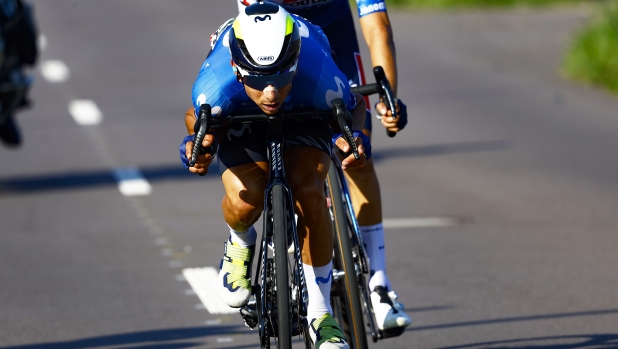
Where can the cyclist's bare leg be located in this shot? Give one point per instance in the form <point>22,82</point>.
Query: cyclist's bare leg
<point>242,204</point>
<point>306,170</point>
<point>243,201</point>
<point>365,194</point>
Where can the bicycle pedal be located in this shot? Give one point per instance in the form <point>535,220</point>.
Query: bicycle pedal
<point>249,314</point>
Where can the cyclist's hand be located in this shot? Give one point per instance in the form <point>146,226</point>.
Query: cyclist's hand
<point>364,150</point>
<point>203,160</point>
<point>385,115</point>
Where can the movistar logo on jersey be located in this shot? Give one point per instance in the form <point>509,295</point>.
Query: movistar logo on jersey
<point>371,8</point>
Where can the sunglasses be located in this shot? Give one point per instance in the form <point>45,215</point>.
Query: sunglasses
<point>259,82</point>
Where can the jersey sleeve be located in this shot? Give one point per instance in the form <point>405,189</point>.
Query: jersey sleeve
<point>216,82</point>
<point>366,7</point>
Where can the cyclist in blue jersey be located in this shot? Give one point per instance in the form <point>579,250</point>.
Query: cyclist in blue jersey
<point>268,60</point>
<point>335,19</point>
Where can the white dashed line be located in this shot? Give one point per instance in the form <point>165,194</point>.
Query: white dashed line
<point>55,71</point>
<point>202,280</point>
<point>131,182</point>
<point>85,112</point>
<point>224,340</point>
<point>395,223</point>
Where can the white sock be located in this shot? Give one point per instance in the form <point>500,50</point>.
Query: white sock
<point>318,280</point>
<point>243,238</point>
<point>373,239</point>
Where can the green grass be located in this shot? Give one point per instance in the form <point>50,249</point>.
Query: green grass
<point>593,55</point>
<point>458,4</point>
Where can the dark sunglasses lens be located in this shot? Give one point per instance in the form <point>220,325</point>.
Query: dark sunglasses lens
<point>259,82</point>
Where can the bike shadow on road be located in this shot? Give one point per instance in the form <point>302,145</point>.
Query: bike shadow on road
<point>440,149</point>
<point>79,180</point>
<point>156,339</point>
<point>596,341</point>
<point>573,341</point>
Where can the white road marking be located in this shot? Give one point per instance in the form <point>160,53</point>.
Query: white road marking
<point>203,281</point>
<point>224,340</point>
<point>55,71</point>
<point>423,222</point>
<point>213,322</point>
<point>131,182</point>
<point>85,112</point>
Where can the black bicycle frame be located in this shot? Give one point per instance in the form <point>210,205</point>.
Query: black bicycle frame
<point>277,177</point>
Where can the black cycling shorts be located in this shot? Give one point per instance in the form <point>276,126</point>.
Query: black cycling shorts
<point>242,144</point>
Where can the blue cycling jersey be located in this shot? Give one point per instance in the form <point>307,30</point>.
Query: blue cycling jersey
<point>317,83</point>
<point>324,12</point>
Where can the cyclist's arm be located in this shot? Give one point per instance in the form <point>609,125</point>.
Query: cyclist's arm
<point>203,160</point>
<point>376,28</point>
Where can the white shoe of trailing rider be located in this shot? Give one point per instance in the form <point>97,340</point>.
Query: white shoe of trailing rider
<point>234,282</point>
<point>326,334</point>
<point>388,316</point>
<point>394,298</point>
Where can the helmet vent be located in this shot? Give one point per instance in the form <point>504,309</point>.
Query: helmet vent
<point>262,8</point>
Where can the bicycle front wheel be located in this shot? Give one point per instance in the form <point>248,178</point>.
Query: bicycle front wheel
<point>279,195</point>
<point>349,306</point>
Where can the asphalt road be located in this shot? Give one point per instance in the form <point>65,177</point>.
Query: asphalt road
<point>504,186</point>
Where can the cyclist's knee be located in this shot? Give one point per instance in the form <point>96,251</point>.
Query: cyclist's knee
<point>241,211</point>
<point>308,192</point>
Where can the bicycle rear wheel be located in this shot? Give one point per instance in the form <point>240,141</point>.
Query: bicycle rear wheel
<point>284,340</point>
<point>349,305</point>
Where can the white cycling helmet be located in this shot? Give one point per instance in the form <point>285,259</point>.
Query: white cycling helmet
<point>264,44</point>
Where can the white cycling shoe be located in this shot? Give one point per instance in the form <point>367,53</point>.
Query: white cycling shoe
<point>234,281</point>
<point>389,313</point>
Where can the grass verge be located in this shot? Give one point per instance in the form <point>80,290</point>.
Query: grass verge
<point>593,55</point>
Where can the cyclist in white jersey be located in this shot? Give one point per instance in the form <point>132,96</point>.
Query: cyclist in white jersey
<point>335,19</point>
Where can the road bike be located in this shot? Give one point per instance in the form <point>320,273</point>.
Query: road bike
<point>279,305</point>
<point>350,295</point>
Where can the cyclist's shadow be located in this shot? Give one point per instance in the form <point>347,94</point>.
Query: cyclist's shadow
<point>191,337</point>
<point>596,341</point>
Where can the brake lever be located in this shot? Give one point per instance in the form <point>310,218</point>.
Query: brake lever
<point>201,126</point>
<point>386,93</point>
<point>343,119</point>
